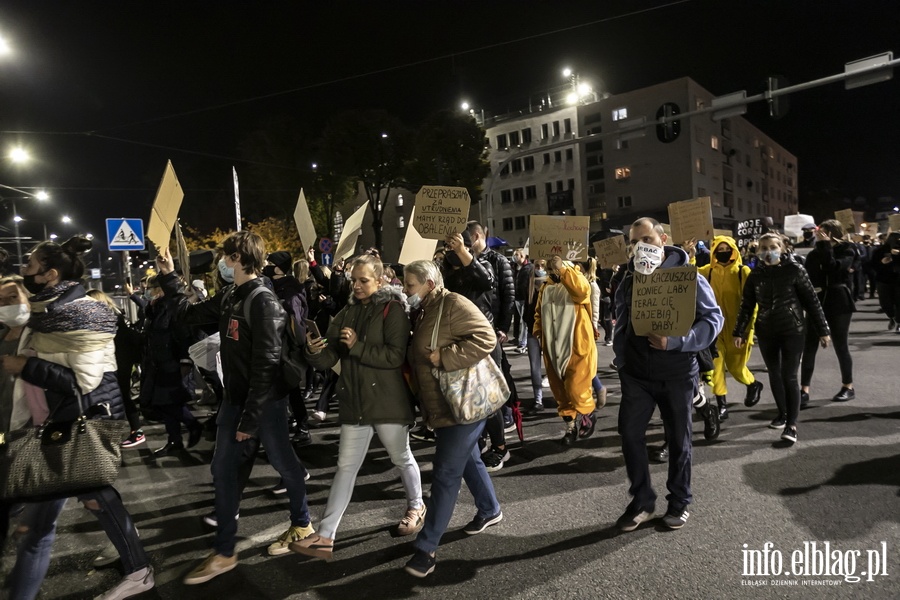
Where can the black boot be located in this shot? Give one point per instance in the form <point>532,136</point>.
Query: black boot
<point>723,408</point>
<point>710,416</point>
<point>571,434</point>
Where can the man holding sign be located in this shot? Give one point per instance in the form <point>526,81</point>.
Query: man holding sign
<point>659,368</point>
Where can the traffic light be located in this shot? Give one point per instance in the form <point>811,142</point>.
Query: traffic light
<point>669,131</point>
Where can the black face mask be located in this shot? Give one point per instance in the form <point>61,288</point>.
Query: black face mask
<point>724,257</point>
<point>269,271</point>
<point>452,259</point>
<point>555,278</point>
<point>807,234</point>
<point>31,285</point>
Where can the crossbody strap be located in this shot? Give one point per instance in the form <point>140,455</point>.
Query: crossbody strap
<point>437,326</point>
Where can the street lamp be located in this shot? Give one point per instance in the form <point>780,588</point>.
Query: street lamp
<point>464,106</point>
<point>4,47</point>
<point>66,219</point>
<point>18,154</point>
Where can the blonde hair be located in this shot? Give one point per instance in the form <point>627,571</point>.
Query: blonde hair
<point>301,270</point>
<point>373,262</point>
<point>101,297</point>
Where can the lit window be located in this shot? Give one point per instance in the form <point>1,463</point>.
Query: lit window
<point>619,113</point>
<point>714,142</point>
<point>700,166</point>
<point>623,173</point>
<point>401,223</point>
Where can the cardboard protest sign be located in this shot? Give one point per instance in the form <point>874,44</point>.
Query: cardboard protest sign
<point>747,231</point>
<point>667,229</point>
<point>846,218</point>
<point>894,222</point>
<point>611,252</point>
<point>441,211</point>
<point>415,247</point>
<point>559,235</point>
<point>721,232</point>
<point>793,224</point>
<point>237,199</point>
<point>352,230</point>
<point>181,251</point>
<point>664,302</point>
<point>165,208</point>
<point>303,221</point>
<point>869,228</point>
<point>691,220</point>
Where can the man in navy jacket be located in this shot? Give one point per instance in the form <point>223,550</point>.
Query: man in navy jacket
<point>659,371</point>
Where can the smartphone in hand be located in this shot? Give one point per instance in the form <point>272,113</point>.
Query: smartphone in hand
<point>313,330</point>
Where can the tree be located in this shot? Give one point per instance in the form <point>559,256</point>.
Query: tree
<point>449,149</point>
<point>279,234</point>
<point>371,147</point>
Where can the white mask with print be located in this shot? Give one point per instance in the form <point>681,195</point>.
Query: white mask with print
<point>647,258</point>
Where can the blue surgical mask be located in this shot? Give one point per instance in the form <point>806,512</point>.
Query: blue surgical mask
<point>225,271</point>
<point>540,274</point>
<point>413,301</point>
<point>771,257</point>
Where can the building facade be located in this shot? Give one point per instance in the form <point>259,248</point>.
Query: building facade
<point>572,160</point>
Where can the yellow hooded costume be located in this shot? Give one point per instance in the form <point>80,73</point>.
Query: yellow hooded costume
<point>728,283</point>
<point>562,322</point>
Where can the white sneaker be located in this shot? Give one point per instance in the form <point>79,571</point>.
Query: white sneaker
<point>318,415</point>
<point>545,382</point>
<point>132,585</point>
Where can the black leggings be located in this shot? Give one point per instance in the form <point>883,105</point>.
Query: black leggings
<point>840,332</point>
<point>889,299</point>
<point>782,357</point>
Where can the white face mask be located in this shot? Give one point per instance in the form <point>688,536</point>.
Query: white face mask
<point>225,271</point>
<point>15,315</point>
<point>414,301</point>
<point>647,258</point>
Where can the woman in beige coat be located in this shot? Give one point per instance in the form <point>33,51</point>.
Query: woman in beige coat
<point>464,337</point>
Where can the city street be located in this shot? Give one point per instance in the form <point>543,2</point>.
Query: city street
<point>840,485</point>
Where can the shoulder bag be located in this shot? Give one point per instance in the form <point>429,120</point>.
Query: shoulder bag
<point>473,393</point>
<point>60,460</point>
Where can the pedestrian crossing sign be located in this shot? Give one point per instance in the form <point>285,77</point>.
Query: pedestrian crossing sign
<point>125,234</point>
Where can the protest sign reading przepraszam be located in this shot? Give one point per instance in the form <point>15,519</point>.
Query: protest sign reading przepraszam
<point>441,211</point>
<point>664,302</point>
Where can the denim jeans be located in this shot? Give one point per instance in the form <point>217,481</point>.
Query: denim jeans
<point>535,362</point>
<point>456,457</point>
<point>355,440</point>
<point>173,416</point>
<point>523,328</point>
<point>675,400</point>
<point>229,456</point>
<point>34,548</point>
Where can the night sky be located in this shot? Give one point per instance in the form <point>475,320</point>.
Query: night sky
<point>178,74</point>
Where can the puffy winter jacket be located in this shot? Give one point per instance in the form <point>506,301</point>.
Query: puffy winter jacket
<point>251,358</point>
<point>475,281</point>
<point>504,301</point>
<point>829,271</point>
<point>782,292</point>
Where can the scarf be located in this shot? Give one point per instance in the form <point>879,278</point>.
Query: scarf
<point>77,322</point>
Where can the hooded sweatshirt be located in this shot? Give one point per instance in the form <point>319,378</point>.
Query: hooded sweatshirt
<point>679,360</point>
<point>727,282</point>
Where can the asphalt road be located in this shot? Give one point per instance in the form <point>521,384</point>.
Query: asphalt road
<point>838,485</point>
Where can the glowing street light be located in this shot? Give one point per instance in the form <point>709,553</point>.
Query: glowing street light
<point>464,106</point>
<point>19,155</point>
<point>18,219</point>
<point>66,219</point>
<point>567,72</point>
<point>4,47</point>
<point>53,236</point>
<point>42,195</point>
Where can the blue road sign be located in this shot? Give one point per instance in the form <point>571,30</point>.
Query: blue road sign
<point>125,234</point>
<point>325,245</point>
<point>327,259</point>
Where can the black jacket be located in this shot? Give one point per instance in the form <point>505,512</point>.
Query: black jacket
<point>504,301</point>
<point>523,280</point>
<point>829,271</point>
<point>782,292</point>
<point>251,360</point>
<point>166,345</point>
<point>885,273</point>
<point>475,281</point>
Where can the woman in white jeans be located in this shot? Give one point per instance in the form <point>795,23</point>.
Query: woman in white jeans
<point>369,337</point>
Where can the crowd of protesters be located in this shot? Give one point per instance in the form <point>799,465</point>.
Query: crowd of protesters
<point>365,331</point>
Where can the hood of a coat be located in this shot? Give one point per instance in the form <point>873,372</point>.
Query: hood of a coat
<point>735,253</point>
<point>386,293</point>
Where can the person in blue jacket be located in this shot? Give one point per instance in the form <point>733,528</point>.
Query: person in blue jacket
<point>658,371</point>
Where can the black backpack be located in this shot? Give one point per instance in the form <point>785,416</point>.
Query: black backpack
<point>293,362</point>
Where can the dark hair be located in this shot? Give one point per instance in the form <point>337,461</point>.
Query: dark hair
<point>5,267</point>
<point>65,257</point>
<point>833,228</point>
<point>251,248</point>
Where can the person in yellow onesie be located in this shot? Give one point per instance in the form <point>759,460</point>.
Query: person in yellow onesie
<point>727,275</point>
<point>562,325</point>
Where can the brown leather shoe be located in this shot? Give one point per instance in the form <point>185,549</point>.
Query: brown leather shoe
<point>314,546</point>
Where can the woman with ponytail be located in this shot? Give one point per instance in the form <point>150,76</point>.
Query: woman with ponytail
<point>66,351</point>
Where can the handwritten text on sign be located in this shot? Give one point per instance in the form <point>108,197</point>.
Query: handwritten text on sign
<point>441,211</point>
<point>664,302</point>
<point>562,236</point>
